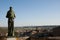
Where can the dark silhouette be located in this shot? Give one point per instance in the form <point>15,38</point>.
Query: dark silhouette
<point>10,15</point>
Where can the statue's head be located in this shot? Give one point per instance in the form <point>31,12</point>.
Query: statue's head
<point>10,8</point>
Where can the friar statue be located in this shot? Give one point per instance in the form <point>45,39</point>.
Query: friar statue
<point>10,15</point>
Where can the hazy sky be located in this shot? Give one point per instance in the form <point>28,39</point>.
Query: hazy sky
<point>31,12</point>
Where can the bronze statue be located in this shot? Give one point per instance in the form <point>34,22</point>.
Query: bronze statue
<point>10,15</point>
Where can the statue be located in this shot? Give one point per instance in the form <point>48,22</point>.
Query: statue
<point>10,15</point>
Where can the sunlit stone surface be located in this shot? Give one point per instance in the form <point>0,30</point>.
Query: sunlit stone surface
<point>11,38</point>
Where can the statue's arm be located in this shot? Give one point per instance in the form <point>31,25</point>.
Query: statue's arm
<point>14,15</point>
<point>7,15</point>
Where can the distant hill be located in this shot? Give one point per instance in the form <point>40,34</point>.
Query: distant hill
<point>30,27</point>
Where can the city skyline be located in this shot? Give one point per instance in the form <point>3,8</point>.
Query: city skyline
<point>31,12</point>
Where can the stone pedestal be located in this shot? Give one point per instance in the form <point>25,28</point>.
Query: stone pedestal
<point>11,38</point>
<point>8,38</point>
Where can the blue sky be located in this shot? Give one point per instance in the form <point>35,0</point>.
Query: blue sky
<point>31,12</point>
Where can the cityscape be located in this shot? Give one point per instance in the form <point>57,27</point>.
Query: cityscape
<point>33,32</point>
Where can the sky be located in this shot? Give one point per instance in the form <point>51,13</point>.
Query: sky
<point>31,12</point>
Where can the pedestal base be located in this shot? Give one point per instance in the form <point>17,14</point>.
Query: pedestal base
<point>11,38</point>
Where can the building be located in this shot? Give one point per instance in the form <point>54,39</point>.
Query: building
<point>56,31</point>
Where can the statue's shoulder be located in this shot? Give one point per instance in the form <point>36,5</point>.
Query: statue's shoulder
<point>8,11</point>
